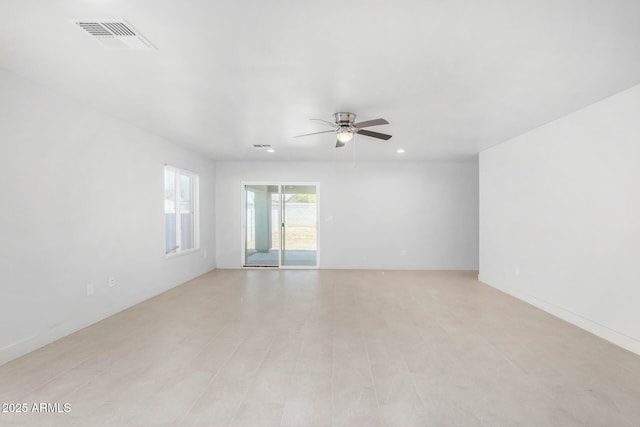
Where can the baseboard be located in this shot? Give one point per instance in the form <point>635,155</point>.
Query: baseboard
<point>602,331</point>
<point>34,342</point>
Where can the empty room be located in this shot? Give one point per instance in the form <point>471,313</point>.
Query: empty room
<point>279,213</point>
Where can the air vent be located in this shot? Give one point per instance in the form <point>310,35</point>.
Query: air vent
<point>261,146</point>
<point>114,33</point>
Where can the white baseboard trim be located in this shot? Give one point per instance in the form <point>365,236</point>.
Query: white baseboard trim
<point>602,331</point>
<point>34,342</point>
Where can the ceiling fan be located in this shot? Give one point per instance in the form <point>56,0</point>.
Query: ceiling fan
<point>344,128</point>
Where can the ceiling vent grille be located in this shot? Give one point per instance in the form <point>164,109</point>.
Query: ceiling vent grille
<point>114,34</point>
<point>261,146</point>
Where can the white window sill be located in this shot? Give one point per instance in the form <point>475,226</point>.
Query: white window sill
<point>179,254</point>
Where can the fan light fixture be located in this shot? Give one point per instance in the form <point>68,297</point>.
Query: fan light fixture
<point>345,134</point>
<point>345,127</point>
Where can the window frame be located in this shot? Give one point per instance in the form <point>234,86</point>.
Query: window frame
<point>195,206</point>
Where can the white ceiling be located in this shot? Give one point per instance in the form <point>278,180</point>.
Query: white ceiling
<point>452,77</point>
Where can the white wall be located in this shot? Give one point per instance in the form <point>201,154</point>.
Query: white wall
<point>369,212</point>
<point>560,218</point>
<point>82,199</point>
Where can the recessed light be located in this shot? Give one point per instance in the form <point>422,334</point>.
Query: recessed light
<point>400,151</point>
<point>271,150</point>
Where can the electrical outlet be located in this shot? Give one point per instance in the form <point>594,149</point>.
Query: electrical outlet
<point>204,254</point>
<point>112,281</point>
<point>403,252</point>
<point>89,289</point>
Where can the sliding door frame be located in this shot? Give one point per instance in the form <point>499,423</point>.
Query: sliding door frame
<point>243,228</point>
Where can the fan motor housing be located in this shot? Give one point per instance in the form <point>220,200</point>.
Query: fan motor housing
<point>344,119</point>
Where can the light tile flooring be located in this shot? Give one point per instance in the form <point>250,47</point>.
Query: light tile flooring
<point>327,347</point>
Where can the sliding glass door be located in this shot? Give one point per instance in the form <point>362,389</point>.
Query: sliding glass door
<point>262,231</point>
<point>299,231</point>
<point>280,226</point>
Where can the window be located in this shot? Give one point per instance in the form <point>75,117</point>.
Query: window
<point>180,210</point>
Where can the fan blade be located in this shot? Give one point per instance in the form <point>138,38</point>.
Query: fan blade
<point>368,123</point>
<point>315,133</point>
<point>327,122</point>
<point>339,144</point>
<point>374,134</point>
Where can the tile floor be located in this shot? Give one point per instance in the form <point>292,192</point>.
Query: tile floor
<point>329,348</point>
